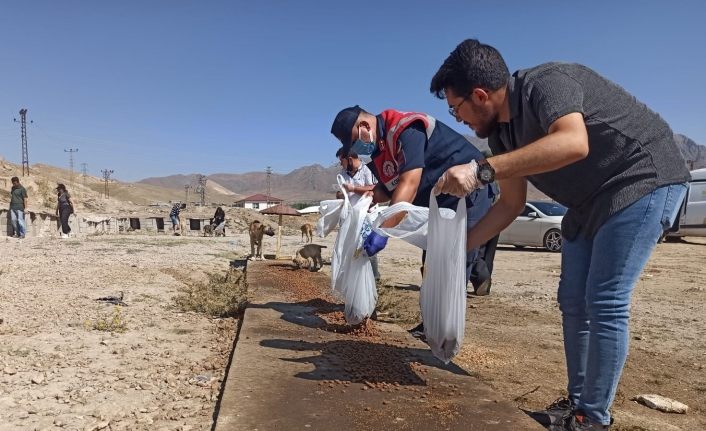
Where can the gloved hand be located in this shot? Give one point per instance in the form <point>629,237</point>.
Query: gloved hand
<point>374,243</point>
<point>459,180</point>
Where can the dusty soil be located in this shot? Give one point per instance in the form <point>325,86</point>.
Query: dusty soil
<point>158,368</point>
<point>514,339</point>
<point>164,370</point>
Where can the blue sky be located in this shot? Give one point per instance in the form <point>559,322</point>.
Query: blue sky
<point>152,88</point>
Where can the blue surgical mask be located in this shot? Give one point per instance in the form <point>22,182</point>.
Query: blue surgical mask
<point>361,147</point>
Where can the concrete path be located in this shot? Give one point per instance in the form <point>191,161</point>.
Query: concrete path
<point>297,366</point>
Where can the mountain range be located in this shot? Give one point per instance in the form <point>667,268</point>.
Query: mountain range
<point>313,183</point>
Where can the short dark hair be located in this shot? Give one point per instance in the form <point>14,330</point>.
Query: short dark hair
<point>60,187</point>
<point>471,65</point>
<point>343,153</point>
<point>14,180</point>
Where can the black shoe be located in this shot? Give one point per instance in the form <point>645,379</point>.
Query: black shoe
<point>484,288</point>
<point>580,422</point>
<point>555,416</point>
<point>418,332</point>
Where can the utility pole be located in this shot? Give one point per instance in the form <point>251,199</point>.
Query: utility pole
<point>23,138</point>
<point>84,172</point>
<point>106,179</point>
<point>268,171</point>
<point>71,152</point>
<point>201,188</point>
<point>186,193</point>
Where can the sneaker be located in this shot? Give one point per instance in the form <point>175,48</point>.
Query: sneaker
<point>580,422</point>
<point>418,331</point>
<point>555,416</point>
<point>484,288</point>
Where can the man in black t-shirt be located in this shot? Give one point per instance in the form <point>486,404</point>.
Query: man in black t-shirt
<point>591,146</point>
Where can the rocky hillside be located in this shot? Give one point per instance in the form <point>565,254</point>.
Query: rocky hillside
<point>306,184</point>
<point>694,154</point>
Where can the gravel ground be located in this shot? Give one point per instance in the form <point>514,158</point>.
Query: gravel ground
<point>164,370</point>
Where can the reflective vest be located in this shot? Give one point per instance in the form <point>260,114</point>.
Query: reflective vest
<point>389,156</point>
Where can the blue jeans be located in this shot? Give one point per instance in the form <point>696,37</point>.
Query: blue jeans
<point>482,202</point>
<point>17,220</point>
<point>597,279</point>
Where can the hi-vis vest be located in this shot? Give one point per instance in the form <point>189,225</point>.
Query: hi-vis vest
<point>390,156</point>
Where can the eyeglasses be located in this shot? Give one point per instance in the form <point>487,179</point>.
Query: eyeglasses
<point>453,110</point>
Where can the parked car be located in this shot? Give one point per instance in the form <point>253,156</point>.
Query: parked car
<point>539,225</point>
<point>692,216</point>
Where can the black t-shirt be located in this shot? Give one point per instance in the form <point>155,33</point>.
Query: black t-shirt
<point>631,148</point>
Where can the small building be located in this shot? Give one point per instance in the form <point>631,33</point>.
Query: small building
<point>39,224</point>
<point>309,210</point>
<point>144,223</point>
<point>258,202</point>
<point>194,225</point>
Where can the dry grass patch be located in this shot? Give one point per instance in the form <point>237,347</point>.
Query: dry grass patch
<point>109,323</point>
<point>220,296</point>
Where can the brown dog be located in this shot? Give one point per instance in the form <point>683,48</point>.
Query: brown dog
<point>307,254</point>
<point>308,232</point>
<point>257,230</point>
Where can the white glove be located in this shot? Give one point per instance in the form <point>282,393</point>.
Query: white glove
<point>459,180</point>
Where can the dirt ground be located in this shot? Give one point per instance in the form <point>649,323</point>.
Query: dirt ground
<point>161,368</point>
<point>514,339</point>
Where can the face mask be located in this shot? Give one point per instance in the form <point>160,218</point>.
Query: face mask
<point>361,147</point>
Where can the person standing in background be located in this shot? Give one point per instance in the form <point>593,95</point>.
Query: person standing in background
<point>64,208</point>
<point>18,206</point>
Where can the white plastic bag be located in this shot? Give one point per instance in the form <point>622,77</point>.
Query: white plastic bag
<point>413,227</point>
<point>443,292</point>
<point>337,252</point>
<point>330,211</point>
<point>356,278</point>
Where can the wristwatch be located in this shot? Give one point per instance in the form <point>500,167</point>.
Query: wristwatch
<point>486,173</point>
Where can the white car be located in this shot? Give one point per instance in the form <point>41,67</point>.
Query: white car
<point>539,225</point>
<point>692,216</point>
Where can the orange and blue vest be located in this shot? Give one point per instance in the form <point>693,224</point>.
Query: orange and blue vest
<point>444,148</point>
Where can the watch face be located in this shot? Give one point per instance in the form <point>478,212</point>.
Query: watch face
<point>486,175</point>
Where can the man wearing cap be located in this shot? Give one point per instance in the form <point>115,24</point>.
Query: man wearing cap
<point>409,152</point>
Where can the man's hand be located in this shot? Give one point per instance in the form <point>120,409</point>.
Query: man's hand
<point>374,243</point>
<point>459,180</point>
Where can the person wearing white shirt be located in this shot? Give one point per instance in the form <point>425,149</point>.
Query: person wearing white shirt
<point>358,180</point>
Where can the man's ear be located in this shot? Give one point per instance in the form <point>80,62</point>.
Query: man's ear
<point>479,96</point>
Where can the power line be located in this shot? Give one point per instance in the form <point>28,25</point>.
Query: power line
<point>268,171</point>
<point>23,138</point>
<point>71,152</point>
<point>84,172</point>
<point>106,179</point>
<point>201,188</point>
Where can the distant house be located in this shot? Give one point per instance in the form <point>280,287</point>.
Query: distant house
<point>258,202</point>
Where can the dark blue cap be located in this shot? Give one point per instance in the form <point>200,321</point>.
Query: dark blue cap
<point>342,126</point>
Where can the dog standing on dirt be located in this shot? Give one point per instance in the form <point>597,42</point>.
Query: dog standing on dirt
<point>208,230</point>
<point>307,254</point>
<point>257,230</point>
<point>308,232</point>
